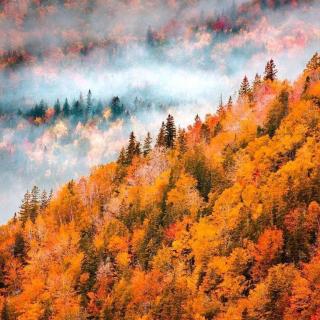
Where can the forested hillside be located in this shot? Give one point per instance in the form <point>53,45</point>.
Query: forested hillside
<point>216,221</point>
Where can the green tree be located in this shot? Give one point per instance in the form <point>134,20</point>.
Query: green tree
<point>131,148</point>
<point>161,139</point>
<point>147,145</point>
<point>44,200</point>
<point>230,104</point>
<point>221,110</point>
<point>122,157</point>
<point>245,89</point>
<point>57,108</point>
<point>25,208</point>
<point>137,150</point>
<point>66,108</point>
<point>89,104</point>
<point>182,143</point>
<point>34,203</point>
<point>270,72</point>
<point>170,132</point>
<point>256,82</point>
<point>19,248</point>
<point>277,112</point>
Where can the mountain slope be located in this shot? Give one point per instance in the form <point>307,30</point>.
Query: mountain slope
<point>219,221</point>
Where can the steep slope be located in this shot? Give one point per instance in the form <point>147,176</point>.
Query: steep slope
<point>219,221</point>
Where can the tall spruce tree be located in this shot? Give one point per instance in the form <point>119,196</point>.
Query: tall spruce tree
<point>122,157</point>
<point>34,203</point>
<point>19,248</point>
<point>66,108</point>
<point>131,149</point>
<point>221,110</point>
<point>147,144</point>
<point>161,139</point>
<point>244,87</point>
<point>57,108</point>
<point>230,104</point>
<point>137,151</point>
<point>256,82</point>
<point>44,200</point>
<point>270,72</point>
<point>170,132</point>
<point>89,104</point>
<point>197,119</point>
<point>182,142</point>
<point>25,208</point>
<point>50,196</point>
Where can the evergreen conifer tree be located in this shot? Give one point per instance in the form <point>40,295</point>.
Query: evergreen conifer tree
<point>57,108</point>
<point>25,208</point>
<point>161,139</point>
<point>89,104</point>
<point>170,132</point>
<point>44,200</point>
<point>147,144</point>
<point>270,72</point>
<point>34,203</point>
<point>19,247</point>
<point>314,63</point>
<point>131,149</point>
<point>182,143</point>
<point>256,82</point>
<point>66,108</point>
<point>122,157</point>
<point>244,87</point>
<point>137,151</point>
<point>230,104</point>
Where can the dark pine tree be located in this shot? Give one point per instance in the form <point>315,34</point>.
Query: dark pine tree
<point>182,142</point>
<point>44,200</point>
<point>131,149</point>
<point>122,157</point>
<point>221,109</point>
<point>137,151</point>
<point>117,108</point>
<point>57,108</point>
<point>170,132</point>
<point>34,203</point>
<point>256,82</point>
<point>50,196</point>
<point>230,104</point>
<point>147,144</point>
<point>66,109</point>
<point>76,109</point>
<point>244,87</point>
<point>270,72</point>
<point>24,213</point>
<point>161,139</point>
<point>89,104</point>
<point>19,248</point>
<point>150,39</point>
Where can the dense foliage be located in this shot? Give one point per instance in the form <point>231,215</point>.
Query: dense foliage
<point>217,221</point>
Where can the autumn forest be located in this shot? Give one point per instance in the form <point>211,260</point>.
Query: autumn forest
<point>215,220</point>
